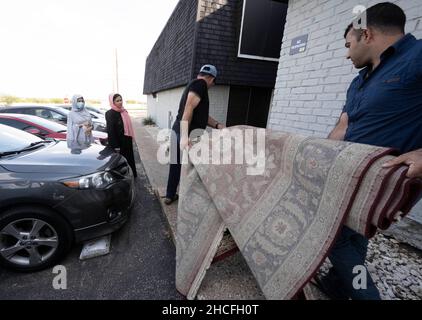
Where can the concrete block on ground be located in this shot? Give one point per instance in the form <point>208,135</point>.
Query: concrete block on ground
<point>96,248</point>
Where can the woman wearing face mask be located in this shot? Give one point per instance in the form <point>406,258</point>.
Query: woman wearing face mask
<point>120,130</point>
<point>79,125</point>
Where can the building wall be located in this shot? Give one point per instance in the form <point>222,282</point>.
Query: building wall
<point>169,63</point>
<point>168,101</point>
<point>204,32</point>
<point>201,32</point>
<point>310,91</point>
<point>165,101</point>
<point>217,41</point>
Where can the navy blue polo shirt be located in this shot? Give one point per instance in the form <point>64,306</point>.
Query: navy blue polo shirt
<point>385,108</point>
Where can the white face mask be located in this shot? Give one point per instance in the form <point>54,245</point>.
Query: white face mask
<point>80,105</point>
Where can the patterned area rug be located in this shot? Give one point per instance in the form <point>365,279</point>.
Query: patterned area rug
<point>285,219</point>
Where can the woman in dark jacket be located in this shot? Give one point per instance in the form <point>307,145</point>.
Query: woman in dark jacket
<point>120,130</point>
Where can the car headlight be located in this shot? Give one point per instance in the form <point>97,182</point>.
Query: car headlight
<point>99,180</point>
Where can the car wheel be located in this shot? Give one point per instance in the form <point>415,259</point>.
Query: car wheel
<point>32,238</point>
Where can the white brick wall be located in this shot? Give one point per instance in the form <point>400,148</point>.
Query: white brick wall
<point>311,87</point>
<point>165,101</point>
<point>168,101</point>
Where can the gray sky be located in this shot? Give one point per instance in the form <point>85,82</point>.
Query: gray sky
<point>55,48</point>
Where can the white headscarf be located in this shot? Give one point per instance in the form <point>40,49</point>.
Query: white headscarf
<point>81,116</point>
<point>76,117</point>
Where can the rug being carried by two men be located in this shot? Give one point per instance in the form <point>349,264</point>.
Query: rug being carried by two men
<point>285,219</point>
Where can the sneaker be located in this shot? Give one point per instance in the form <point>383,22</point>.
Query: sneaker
<point>169,201</point>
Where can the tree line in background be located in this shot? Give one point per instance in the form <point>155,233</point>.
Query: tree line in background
<point>9,100</point>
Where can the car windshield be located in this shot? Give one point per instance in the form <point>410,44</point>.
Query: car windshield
<point>62,110</point>
<point>50,125</point>
<point>97,112</point>
<point>12,139</point>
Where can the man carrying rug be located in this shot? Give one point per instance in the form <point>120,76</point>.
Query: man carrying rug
<point>383,108</point>
<point>193,114</point>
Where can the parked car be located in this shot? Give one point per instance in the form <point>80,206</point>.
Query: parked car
<point>56,114</point>
<point>48,113</point>
<point>97,115</point>
<point>51,198</point>
<point>92,110</point>
<point>43,128</point>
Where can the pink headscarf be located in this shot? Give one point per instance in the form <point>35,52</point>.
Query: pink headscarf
<point>125,117</point>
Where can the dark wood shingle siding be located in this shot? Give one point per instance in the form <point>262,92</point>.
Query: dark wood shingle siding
<point>218,41</point>
<point>185,45</point>
<point>169,63</point>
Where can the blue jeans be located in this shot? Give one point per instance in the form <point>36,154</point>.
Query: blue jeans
<point>349,251</point>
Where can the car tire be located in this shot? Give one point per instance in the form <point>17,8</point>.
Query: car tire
<point>33,238</point>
